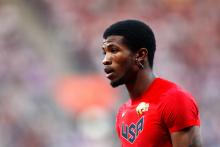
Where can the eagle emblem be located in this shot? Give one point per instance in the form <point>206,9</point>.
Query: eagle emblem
<point>142,107</point>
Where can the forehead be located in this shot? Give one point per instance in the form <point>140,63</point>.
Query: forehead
<point>113,39</point>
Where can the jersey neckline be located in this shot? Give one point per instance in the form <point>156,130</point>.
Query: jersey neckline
<point>146,92</point>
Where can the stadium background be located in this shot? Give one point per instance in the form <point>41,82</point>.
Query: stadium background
<point>52,87</point>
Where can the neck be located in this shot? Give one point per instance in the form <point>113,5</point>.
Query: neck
<point>139,83</point>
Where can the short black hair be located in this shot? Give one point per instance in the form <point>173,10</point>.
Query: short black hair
<point>136,35</point>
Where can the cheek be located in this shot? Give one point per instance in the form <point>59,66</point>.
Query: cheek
<point>124,63</point>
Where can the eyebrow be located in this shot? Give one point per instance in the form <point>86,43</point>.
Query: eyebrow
<point>110,44</point>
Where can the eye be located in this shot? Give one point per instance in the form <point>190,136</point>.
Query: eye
<point>114,50</point>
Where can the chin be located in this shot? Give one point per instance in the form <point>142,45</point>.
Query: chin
<point>114,85</point>
<point>117,83</point>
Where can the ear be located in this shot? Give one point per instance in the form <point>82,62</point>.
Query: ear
<point>141,55</point>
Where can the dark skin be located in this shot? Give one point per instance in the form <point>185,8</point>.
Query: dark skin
<point>122,67</point>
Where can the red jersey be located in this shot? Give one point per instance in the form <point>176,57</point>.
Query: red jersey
<point>149,120</point>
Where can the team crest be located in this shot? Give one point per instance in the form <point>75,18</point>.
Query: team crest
<point>142,107</point>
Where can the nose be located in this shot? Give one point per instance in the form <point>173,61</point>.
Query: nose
<point>107,60</point>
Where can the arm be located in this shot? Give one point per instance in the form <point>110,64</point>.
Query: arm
<point>188,137</point>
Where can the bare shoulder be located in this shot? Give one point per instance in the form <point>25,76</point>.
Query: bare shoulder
<point>188,137</point>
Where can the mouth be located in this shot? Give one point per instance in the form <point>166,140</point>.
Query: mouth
<point>109,73</point>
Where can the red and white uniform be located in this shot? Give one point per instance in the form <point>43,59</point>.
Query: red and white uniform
<point>149,120</point>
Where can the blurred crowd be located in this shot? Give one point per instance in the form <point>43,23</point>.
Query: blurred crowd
<point>52,87</point>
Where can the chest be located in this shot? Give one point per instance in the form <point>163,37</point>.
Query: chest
<point>141,124</point>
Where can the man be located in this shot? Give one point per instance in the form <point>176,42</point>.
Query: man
<point>158,113</point>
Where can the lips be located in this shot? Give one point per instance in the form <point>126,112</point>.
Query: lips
<point>109,72</point>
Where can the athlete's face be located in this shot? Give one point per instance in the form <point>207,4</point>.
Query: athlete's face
<point>118,60</point>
